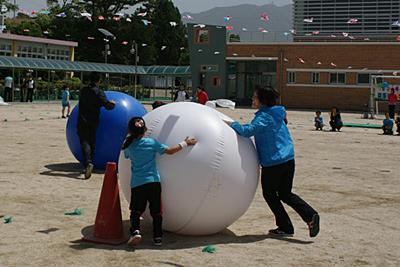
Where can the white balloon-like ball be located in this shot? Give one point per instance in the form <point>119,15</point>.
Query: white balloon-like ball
<point>207,187</point>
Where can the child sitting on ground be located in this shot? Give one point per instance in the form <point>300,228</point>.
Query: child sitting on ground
<point>145,181</point>
<point>387,124</point>
<point>336,120</point>
<point>319,121</point>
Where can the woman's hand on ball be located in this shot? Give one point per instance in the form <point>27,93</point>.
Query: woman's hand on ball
<point>190,141</point>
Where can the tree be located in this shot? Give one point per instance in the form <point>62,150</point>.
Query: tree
<point>234,38</point>
<point>6,6</point>
<point>169,32</point>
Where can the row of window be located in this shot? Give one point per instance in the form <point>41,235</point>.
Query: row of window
<point>35,51</point>
<point>38,52</point>
<point>334,78</point>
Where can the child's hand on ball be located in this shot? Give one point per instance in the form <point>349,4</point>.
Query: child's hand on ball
<point>190,141</point>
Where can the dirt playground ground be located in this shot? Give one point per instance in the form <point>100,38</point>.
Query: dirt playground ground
<point>352,178</point>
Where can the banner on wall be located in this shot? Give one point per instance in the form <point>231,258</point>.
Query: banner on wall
<point>382,90</point>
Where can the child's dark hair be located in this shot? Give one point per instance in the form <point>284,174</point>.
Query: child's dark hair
<point>318,112</point>
<point>336,108</point>
<point>136,128</point>
<point>267,95</point>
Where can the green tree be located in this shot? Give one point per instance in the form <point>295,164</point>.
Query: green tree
<point>169,32</point>
<point>234,37</point>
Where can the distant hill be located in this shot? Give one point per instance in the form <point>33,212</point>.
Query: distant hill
<point>248,17</point>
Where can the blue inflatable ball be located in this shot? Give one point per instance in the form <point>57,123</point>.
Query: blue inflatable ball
<point>111,132</point>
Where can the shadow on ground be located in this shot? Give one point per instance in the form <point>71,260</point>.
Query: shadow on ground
<point>173,241</point>
<point>67,170</point>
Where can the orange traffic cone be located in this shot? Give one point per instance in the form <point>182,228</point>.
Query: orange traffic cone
<point>108,228</point>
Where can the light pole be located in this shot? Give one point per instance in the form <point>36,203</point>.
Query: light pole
<point>109,36</point>
<point>107,51</point>
<point>134,51</point>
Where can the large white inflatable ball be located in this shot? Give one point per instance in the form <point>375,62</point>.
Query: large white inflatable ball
<point>207,187</point>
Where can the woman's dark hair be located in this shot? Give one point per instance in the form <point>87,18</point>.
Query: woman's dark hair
<point>267,95</point>
<point>136,128</point>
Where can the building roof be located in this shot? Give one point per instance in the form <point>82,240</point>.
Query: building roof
<point>15,37</point>
<point>80,66</point>
<point>63,65</point>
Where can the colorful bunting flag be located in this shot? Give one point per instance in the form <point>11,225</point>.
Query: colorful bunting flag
<point>310,20</point>
<point>352,21</point>
<point>227,18</point>
<point>264,17</point>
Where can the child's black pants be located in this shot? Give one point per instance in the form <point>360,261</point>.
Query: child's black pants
<point>150,192</point>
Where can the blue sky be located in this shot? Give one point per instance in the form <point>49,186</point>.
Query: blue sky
<point>183,5</point>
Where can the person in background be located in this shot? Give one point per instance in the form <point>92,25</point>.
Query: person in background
<point>276,156</point>
<point>388,123</point>
<point>30,85</point>
<point>8,89</point>
<point>181,95</point>
<point>392,101</point>
<point>397,122</point>
<point>91,99</point>
<point>65,95</point>
<point>202,96</point>
<point>157,104</point>
<point>23,89</point>
<point>336,120</point>
<point>319,121</point>
<point>145,180</point>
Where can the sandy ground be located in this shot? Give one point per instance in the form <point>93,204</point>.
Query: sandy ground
<point>352,178</point>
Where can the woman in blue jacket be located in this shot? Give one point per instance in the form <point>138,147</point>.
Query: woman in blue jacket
<point>276,155</point>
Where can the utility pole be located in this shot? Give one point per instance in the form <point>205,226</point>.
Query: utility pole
<point>134,51</point>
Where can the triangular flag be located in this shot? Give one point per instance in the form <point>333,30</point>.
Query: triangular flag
<point>352,21</point>
<point>264,17</point>
<point>310,20</point>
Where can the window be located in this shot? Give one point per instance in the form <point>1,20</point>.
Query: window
<point>315,77</point>
<point>5,50</point>
<point>363,78</point>
<point>216,81</point>
<point>202,36</point>
<point>30,51</point>
<point>57,54</point>
<point>337,78</point>
<point>291,77</point>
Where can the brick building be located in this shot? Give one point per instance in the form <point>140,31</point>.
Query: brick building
<point>313,75</point>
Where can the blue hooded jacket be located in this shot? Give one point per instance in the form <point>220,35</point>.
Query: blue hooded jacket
<point>273,142</point>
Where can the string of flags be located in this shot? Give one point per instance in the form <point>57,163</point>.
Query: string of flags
<point>143,14</point>
<point>332,64</point>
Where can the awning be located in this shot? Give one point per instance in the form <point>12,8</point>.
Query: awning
<point>63,65</point>
<point>168,70</point>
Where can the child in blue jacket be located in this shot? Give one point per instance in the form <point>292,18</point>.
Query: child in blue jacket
<point>276,155</point>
